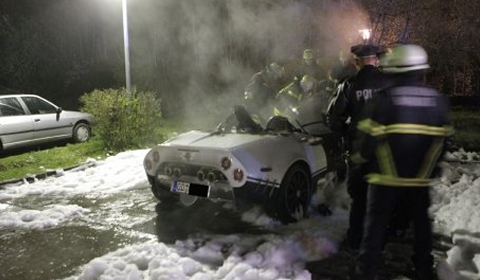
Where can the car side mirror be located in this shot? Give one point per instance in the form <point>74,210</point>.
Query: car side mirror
<point>59,110</point>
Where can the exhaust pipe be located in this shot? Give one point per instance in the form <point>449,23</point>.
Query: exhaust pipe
<point>211,177</point>
<point>201,175</point>
<point>177,172</point>
<point>168,170</point>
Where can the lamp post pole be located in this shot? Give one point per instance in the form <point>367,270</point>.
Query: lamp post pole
<point>126,47</point>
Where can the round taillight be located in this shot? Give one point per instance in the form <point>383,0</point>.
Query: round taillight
<point>156,156</point>
<point>238,175</point>
<point>226,163</point>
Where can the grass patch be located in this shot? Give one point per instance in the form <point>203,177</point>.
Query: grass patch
<point>32,162</point>
<point>37,162</point>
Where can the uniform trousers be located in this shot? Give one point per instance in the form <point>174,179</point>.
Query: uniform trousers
<point>381,202</point>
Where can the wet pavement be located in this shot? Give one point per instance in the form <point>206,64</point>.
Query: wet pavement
<point>112,222</point>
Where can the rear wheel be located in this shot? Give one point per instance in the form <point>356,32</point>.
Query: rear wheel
<point>293,197</point>
<point>81,132</point>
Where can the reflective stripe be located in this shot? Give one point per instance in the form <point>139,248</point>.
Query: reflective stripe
<point>389,176</point>
<point>293,94</point>
<point>276,111</point>
<point>385,160</point>
<point>431,158</point>
<point>386,180</point>
<point>409,128</point>
<point>375,129</point>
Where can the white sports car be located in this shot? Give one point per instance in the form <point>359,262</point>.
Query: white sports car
<point>277,166</point>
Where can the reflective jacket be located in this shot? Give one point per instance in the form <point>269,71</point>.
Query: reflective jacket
<point>404,135</point>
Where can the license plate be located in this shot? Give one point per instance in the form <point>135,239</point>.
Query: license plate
<point>180,187</point>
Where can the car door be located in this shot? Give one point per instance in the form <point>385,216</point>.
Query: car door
<point>48,125</point>
<point>16,126</point>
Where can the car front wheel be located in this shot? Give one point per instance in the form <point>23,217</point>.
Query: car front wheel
<point>293,196</point>
<point>81,132</point>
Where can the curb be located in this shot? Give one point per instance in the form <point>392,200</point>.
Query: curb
<point>50,173</point>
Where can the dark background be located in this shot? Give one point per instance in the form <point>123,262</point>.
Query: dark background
<point>199,55</point>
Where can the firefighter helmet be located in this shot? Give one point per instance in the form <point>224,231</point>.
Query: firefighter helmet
<point>404,58</point>
<point>276,70</point>
<point>308,54</point>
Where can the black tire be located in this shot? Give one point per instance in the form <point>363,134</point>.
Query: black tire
<point>292,199</point>
<point>81,133</point>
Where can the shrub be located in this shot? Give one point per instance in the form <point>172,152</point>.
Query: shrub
<point>123,122</point>
<point>466,136</point>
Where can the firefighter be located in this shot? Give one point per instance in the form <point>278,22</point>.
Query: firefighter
<point>405,137</point>
<point>287,98</point>
<point>314,91</point>
<point>262,89</point>
<point>309,66</point>
<point>343,114</point>
<point>300,92</point>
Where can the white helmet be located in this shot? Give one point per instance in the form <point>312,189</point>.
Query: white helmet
<point>404,58</point>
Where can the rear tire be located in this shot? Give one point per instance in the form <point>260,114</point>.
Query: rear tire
<point>81,133</point>
<point>292,199</point>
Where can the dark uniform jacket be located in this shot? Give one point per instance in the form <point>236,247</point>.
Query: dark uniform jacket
<point>405,134</point>
<point>261,88</point>
<point>346,108</point>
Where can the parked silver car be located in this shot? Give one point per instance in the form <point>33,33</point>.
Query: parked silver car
<point>27,119</point>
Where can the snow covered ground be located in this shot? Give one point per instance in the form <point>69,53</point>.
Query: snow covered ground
<point>280,254</point>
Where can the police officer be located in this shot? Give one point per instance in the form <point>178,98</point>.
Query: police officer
<point>405,136</point>
<point>343,114</point>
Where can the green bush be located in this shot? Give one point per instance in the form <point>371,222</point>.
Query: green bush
<point>466,134</point>
<point>123,122</point>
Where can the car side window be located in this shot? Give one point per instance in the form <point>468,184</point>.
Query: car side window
<point>10,107</point>
<point>38,106</point>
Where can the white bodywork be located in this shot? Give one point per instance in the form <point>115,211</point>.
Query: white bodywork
<point>263,158</point>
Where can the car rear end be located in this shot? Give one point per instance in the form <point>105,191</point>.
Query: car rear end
<point>185,170</point>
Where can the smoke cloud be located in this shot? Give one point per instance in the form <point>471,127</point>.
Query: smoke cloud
<point>201,54</point>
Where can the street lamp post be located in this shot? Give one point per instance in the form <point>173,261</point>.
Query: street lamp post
<point>126,48</point>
